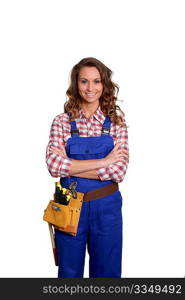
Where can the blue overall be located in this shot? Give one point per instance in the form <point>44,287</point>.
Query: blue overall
<point>100,223</point>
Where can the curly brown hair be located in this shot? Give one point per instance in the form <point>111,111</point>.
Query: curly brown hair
<point>108,98</point>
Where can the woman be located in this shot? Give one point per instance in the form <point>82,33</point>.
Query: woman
<point>89,144</point>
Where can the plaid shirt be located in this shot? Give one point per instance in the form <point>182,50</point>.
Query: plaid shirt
<point>59,166</point>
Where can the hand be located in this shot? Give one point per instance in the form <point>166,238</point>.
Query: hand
<point>59,150</point>
<point>117,154</point>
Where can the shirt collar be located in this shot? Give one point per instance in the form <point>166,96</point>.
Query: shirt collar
<point>98,115</point>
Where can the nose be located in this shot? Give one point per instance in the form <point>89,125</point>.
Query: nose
<point>90,86</point>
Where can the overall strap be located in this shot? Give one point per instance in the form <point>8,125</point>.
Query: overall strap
<point>106,126</point>
<point>74,130</point>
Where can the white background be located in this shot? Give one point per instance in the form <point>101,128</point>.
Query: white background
<point>142,42</point>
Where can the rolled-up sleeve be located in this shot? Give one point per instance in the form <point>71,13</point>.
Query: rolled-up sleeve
<point>58,165</point>
<point>116,171</point>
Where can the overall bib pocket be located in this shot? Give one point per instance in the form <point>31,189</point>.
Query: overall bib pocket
<point>83,151</point>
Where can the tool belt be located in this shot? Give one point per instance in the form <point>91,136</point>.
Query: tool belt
<point>66,217</point>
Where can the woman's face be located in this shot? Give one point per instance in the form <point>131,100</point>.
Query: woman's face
<point>90,86</point>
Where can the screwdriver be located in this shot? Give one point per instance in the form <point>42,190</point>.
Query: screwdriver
<point>62,197</point>
<point>57,191</point>
<point>66,202</point>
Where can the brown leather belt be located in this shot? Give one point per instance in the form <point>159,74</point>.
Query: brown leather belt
<point>101,192</point>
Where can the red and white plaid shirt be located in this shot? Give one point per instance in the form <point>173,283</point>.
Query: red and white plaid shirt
<point>59,166</point>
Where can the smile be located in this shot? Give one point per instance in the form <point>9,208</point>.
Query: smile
<point>90,94</point>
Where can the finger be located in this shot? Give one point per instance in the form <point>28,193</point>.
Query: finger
<point>123,156</point>
<point>55,148</point>
<point>117,145</point>
<point>57,152</point>
<point>54,151</point>
<point>123,159</point>
<point>124,151</point>
<point>120,151</point>
<point>61,143</point>
<point>62,147</point>
<point>64,151</point>
<point>126,158</point>
<point>121,146</point>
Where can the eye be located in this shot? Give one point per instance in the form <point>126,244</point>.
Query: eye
<point>85,81</point>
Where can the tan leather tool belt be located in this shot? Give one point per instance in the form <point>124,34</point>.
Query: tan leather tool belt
<point>66,217</point>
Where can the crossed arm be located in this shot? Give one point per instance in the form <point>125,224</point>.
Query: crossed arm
<point>89,168</point>
<point>86,168</point>
<point>112,167</point>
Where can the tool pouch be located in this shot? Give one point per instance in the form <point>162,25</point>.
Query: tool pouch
<point>64,217</point>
